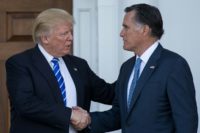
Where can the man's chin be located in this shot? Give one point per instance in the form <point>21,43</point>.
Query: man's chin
<point>67,52</point>
<point>125,47</point>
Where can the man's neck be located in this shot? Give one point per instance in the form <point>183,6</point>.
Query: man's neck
<point>145,46</point>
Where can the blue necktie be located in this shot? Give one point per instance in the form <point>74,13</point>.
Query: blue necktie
<point>134,81</point>
<point>60,80</point>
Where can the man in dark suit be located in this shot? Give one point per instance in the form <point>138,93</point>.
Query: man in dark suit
<point>36,77</point>
<point>155,91</point>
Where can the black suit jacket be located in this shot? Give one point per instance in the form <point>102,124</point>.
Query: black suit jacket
<point>36,101</point>
<point>163,100</point>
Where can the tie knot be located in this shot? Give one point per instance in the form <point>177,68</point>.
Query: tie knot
<point>55,60</point>
<point>138,62</point>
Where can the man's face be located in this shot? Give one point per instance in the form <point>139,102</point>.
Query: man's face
<point>59,40</point>
<point>131,32</point>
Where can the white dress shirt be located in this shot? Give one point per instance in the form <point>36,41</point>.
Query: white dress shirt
<point>144,57</point>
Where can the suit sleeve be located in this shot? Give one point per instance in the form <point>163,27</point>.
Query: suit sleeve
<point>181,93</point>
<point>101,91</point>
<point>26,103</point>
<point>108,120</point>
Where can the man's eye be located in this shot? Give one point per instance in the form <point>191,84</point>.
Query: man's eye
<point>64,34</point>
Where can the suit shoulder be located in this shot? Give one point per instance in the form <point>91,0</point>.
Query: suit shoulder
<point>172,60</point>
<point>170,55</point>
<point>128,63</point>
<point>130,60</point>
<point>21,57</point>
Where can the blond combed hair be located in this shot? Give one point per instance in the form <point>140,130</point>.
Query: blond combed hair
<point>46,21</point>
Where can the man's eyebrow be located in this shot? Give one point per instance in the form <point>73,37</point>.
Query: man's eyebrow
<point>125,26</point>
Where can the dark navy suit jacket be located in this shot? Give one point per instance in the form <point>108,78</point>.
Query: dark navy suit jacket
<point>36,102</point>
<point>163,100</point>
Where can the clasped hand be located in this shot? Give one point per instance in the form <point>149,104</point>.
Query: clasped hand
<point>80,118</point>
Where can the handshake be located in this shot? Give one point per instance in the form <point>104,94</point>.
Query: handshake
<point>80,118</point>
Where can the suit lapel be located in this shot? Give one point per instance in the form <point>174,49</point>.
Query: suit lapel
<point>146,74</point>
<point>44,68</point>
<point>75,74</point>
<point>125,79</point>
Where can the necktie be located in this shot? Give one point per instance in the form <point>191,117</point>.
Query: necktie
<point>60,80</point>
<point>134,81</point>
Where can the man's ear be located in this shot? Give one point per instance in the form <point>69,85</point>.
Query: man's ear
<point>44,39</point>
<point>146,30</point>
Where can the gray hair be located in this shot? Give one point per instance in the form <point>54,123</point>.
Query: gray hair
<point>47,20</point>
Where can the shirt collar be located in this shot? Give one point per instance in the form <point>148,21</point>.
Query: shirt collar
<point>45,53</point>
